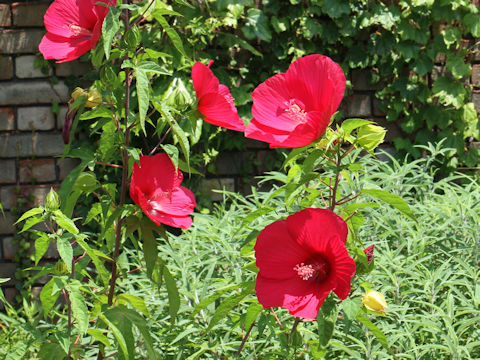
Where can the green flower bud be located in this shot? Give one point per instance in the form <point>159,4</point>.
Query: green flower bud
<point>52,201</point>
<point>86,181</point>
<point>132,38</point>
<point>60,268</point>
<point>370,136</point>
<point>108,75</point>
<point>177,95</point>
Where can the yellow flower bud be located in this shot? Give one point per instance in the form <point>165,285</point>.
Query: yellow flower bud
<point>77,92</point>
<point>374,301</point>
<point>94,98</point>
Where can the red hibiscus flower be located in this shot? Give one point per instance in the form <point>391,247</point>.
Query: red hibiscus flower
<point>155,187</point>
<point>73,28</point>
<point>301,260</point>
<point>293,109</point>
<point>214,100</point>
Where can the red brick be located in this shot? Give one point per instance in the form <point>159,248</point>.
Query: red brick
<point>476,75</point>
<point>6,225</point>
<point>209,185</point>
<point>7,270</point>
<point>42,170</point>
<point>32,92</point>
<point>20,41</point>
<point>6,68</point>
<point>26,145</point>
<point>356,105</point>
<point>35,118</point>
<point>360,81</point>
<point>37,193</point>
<point>7,172</point>
<point>10,294</point>
<point>10,248</point>
<point>29,14</point>
<point>5,15</point>
<point>376,108</point>
<point>7,119</point>
<point>65,166</point>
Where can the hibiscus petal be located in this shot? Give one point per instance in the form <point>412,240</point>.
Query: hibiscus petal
<point>270,100</point>
<point>203,79</point>
<point>64,49</point>
<point>218,111</point>
<point>179,202</point>
<point>183,222</point>
<point>315,228</point>
<point>277,253</point>
<point>155,172</point>
<point>62,14</point>
<point>318,81</point>
<point>294,294</point>
<point>343,269</point>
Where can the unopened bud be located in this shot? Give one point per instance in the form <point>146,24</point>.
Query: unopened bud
<point>374,301</point>
<point>77,92</point>
<point>133,38</point>
<point>370,136</point>
<point>177,94</point>
<point>369,252</point>
<point>52,201</point>
<point>94,98</point>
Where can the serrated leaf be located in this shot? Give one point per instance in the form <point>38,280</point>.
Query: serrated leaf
<point>394,200</point>
<point>137,302</point>
<point>65,222</point>
<point>41,246</point>
<point>351,124</point>
<point>143,88</point>
<point>47,298</point>
<point>99,335</point>
<point>30,213</point>
<point>65,251</point>
<point>326,318</point>
<point>173,296</point>
<point>172,34</point>
<point>150,66</point>
<point>110,27</point>
<point>79,309</point>
<point>32,222</point>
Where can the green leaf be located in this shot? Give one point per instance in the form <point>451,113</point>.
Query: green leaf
<point>351,124</point>
<point>173,296</point>
<point>362,317</point>
<point>65,251</point>
<point>41,246</point>
<point>257,23</point>
<point>143,88</point>
<point>150,250</point>
<point>150,66</point>
<point>65,222</point>
<point>336,8</point>
<point>19,351</point>
<point>99,335</point>
<point>137,302</point>
<point>110,27</point>
<point>326,318</point>
<point>30,213</point>
<point>79,309</point>
<point>394,200</point>
<point>172,152</point>
<point>472,24</point>
<point>49,351</point>
<point>33,221</point>
<point>228,304</point>
<point>252,313</point>
<point>47,298</point>
<point>117,333</point>
<point>172,34</point>
<point>102,271</point>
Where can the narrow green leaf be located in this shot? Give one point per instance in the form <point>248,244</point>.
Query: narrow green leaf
<point>47,298</point>
<point>41,246</point>
<point>137,302</point>
<point>18,353</point>
<point>362,317</point>
<point>117,333</point>
<point>150,250</point>
<point>98,334</point>
<point>102,271</point>
<point>228,304</point>
<point>65,251</point>
<point>173,296</point>
<point>143,88</point>
<point>172,34</point>
<point>252,313</point>
<point>110,27</point>
<point>49,351</point>
<point>150,66</point>
<point>32,222</point>
<point>65,222</point>
<point>79,309</point>
<point>394,200</point>
<point>30,213</point>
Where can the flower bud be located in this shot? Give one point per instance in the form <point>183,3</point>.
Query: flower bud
<point>369,253</point>
<point>177,94</point>
<point>52,201</point>
<point>133,38</point>
<point>94,98</point>
<point>77,92</point>
<point>374,301</point>
<point>370,136</point>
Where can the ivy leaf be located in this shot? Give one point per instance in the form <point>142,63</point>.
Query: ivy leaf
<point>257,23</point>
<point>457,66</point>
<point>336,8</point>
<point>472,24</point>
<point>449,92</point>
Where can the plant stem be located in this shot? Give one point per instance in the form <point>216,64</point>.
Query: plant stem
<point>333,196</point>
<point>244,340</point>
<point>69,304</point>
<point>294,327</point>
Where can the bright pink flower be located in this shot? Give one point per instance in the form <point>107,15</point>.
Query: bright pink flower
<point>73,28</point>
<point>293,109</point>
<point>301,260</point>
<point>214,100</point>
<point>155,187</point>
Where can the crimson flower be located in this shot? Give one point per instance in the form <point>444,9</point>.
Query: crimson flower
<point>214,99</point>
<point>301,260</point>
<point>293,109</point>
<point>369,252</point>
<point>73,28</point>
<point>155,187</point>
